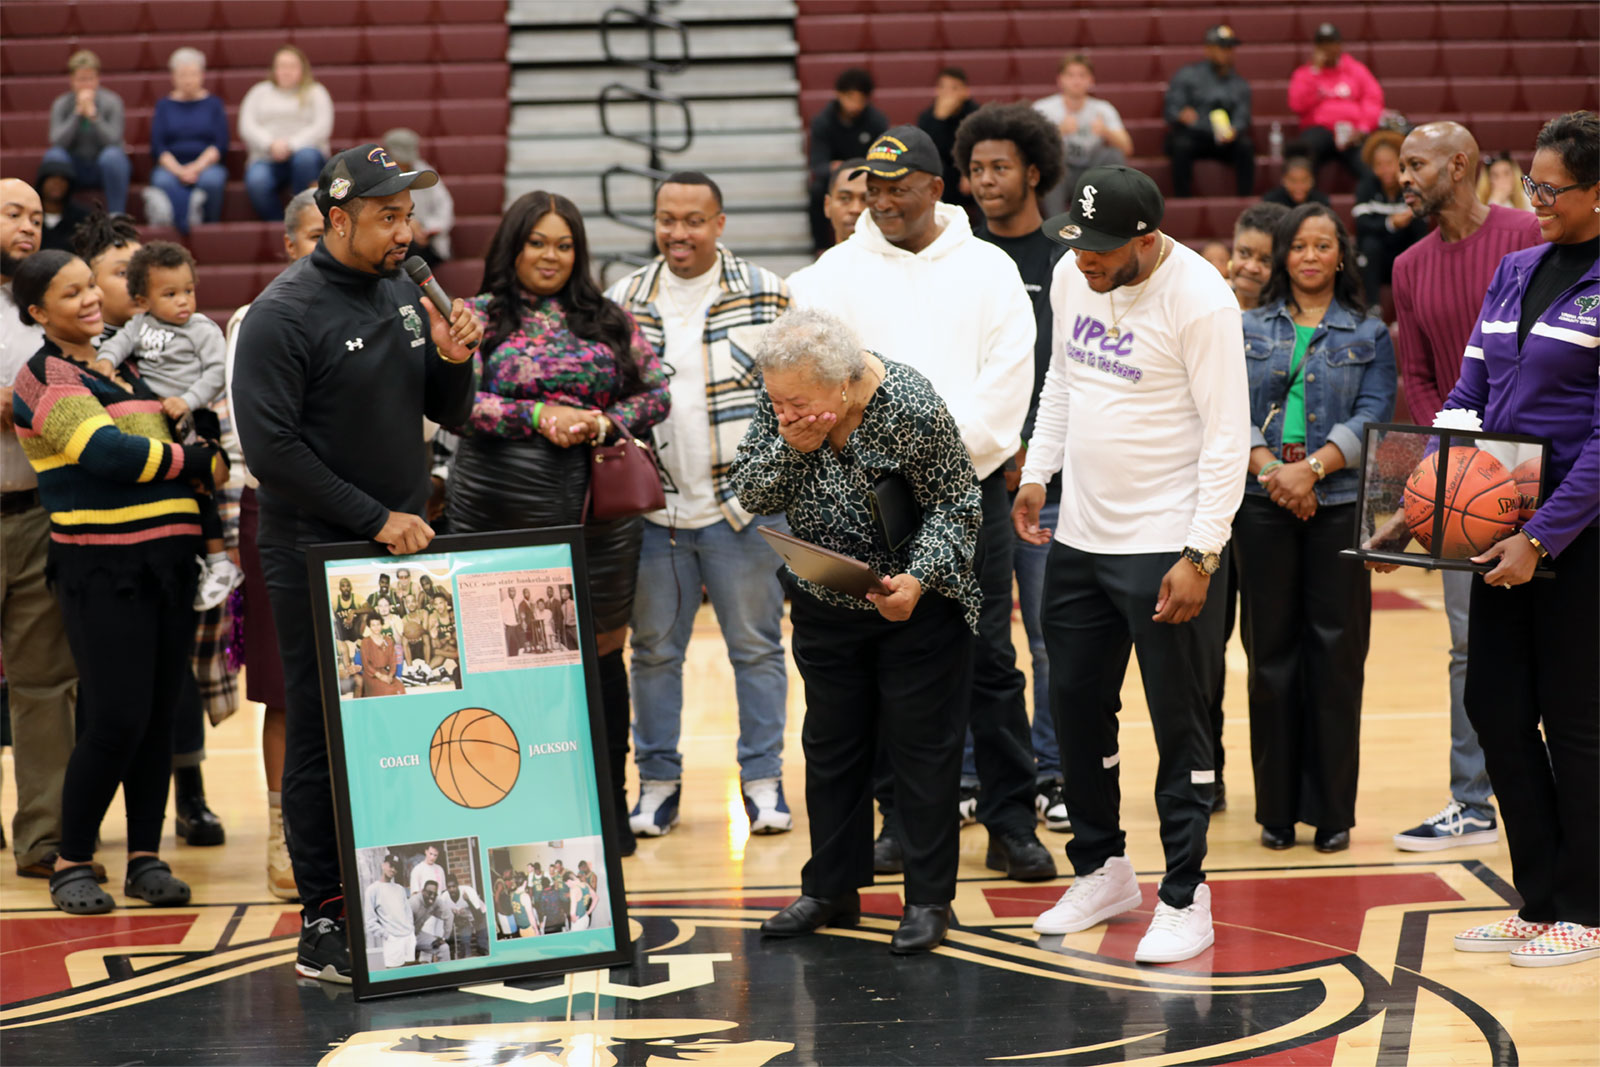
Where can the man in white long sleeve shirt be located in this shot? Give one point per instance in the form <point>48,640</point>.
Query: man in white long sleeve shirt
<point>1145,414</point>
<point>388,917</point>
<point>918,287</point>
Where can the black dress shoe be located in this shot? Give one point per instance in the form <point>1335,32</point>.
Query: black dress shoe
<point>805,915</point>
<point>1277,838</point>
<point>1219,799</point>
<point>922,929</point>
<point>887,855</point>
<point>1021,856</point>
<point>1331,840</point>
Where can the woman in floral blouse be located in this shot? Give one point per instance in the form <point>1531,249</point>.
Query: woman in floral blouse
<point>835,421</point>
<point>560,367</point>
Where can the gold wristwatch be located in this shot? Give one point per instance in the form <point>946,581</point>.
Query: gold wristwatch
<point>1206,563</point>
<point>1316,467</point>
<point>1538,546</point>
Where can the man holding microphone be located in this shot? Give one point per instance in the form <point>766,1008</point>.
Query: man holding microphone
<point>340,331</point>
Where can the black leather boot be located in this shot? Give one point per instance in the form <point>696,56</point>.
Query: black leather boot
<point>196,823</point>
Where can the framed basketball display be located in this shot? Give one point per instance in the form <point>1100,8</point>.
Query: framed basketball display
<point>1421,510</point>
<point>468,754</point>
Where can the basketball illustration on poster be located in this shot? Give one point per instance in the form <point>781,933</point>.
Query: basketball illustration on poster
<point>474,758</point>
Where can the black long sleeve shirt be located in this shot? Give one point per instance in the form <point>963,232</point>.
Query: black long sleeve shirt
<point>833,138</point>
<point>1199,86</point>
<point>334,373</point>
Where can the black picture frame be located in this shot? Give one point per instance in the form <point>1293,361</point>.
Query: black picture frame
<point>460,547</point>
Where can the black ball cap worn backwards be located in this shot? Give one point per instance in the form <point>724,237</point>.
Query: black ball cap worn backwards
<point>366,171</point>
<point>1110,206</point>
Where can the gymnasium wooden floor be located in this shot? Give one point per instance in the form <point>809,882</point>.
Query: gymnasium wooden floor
<point>1342,959</point>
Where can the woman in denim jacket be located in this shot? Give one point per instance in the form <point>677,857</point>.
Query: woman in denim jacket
<point>1319,371</point>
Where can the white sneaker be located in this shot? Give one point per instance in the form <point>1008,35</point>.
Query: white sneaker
<point>197,207</point>
<point>217,580</point>
<point>656,813</point>
<point>157,207</point>
<point>1178,933</point>
<point>764,804</point>
<point>1093,898</point>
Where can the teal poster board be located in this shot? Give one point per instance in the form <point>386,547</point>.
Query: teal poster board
<point>468,754</point>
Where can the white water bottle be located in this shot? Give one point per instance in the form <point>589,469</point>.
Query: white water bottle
<point>1275,143</point>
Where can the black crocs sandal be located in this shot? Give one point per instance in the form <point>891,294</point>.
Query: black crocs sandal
<point>151,880</point>
<point>75,891</point>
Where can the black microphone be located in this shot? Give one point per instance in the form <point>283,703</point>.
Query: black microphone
<point>422,274</point>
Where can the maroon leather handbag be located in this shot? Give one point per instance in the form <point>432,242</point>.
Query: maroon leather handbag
<point>623,479</point>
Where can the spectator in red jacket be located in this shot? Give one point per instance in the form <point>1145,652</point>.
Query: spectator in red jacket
<point>1338,102</point>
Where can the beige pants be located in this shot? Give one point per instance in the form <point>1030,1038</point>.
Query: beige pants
<point>42,683</point>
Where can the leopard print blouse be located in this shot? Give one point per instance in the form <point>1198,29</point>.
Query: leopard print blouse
<point>906,429</point>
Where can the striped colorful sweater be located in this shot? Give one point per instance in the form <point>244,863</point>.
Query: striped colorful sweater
<point>109,472</point>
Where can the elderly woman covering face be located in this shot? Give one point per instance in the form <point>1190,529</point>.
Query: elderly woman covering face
<point>834,422</point>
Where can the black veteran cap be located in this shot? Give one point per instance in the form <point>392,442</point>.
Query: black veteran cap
<point>899,151</point>
<point>366,170</point>
<point>1110,206</point>
<point>1222,35</point>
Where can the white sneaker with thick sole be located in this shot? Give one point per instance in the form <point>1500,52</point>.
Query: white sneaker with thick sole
<point>1178,933</point>
<point>656,813</point>
<point>217,580</point>
<point>764,804</point>
<point>1093,898</point>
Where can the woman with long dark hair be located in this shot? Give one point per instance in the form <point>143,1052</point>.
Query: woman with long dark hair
<point>560,367</point>
<point>124,529</point>
<point>1319,371</point>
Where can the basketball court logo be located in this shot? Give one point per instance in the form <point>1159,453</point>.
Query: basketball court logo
<point>474,758</point>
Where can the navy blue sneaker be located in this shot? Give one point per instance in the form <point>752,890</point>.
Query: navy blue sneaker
<point>1449,827</point>
<point>764,803</point>
<point>657,810</point>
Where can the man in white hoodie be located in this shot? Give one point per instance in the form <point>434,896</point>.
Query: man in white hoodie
<point>918,287</point>
<point>1145,414</point>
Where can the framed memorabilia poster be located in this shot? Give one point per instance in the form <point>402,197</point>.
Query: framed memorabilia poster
<point>470,775</point>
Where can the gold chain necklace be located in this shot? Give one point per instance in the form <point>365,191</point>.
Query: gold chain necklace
<point>1114,332</point>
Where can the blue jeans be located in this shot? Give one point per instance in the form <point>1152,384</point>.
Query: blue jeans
<point>740,572</point>
<point>1028,564</point>
<point>1469,776</point>
<point>263,179</point>
<point>214,180</point>
<point>108,171</point>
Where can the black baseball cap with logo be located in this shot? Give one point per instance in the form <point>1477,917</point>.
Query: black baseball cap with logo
<point>1222,35</point>
<point>1327,32</point>
<point>364,171</point>
<point>899,151</point>
<point>1110,206</point>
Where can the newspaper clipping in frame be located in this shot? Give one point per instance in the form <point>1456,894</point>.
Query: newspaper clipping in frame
<point>518,619</point>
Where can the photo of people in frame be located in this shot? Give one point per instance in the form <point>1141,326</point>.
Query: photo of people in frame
<point>394,630</point>
<point>549,887</point>
<point>519,619</point>
<point>422,902</point>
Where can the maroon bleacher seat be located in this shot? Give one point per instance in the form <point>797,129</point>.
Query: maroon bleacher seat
<point>174,16</point>
<point>455,81</point>
<point>1414,97</point>
<point>1479,22</point>
<point>321,13</point>
<point>1483,94</point>
<point>233,242</point>
<point>1551,96</point>
<point>255,15</point>
<point>459,278</point>
<point>899,70</point>
<point>30,94</point>
<point>380,115</point>
<point>1265,62</point>
<point>393,44</point>
<point>1399,22</point>
<point>1504,132</point>
<point>1546,22</point>
<point>1135,100</point>
<point>975,29</point>
<point>478,194</point>
<point>818,34</point>
<point>1060,29</point>
<point>1118,27</point>
<point>325,47</point>
<point>1476,59</point>
<point>1185,219</point>
<point>472,118</point>
<point>466,155</point>
<point>35,18</point>
<point>1408,59</point>
<point>1546,59</point>
<point>240,49</point>
<point>902,33</point>
<point>470,237</point>
<point>1264,25</point>
<point>470,43</point>
<point>111,16</point>
<point>988,67</point>
<point>1187,27</point>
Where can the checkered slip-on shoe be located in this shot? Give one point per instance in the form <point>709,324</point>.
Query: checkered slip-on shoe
<point>1501,936</point>
<point>1563,943</point>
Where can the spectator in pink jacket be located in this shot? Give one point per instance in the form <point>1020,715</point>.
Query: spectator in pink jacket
<point>1337,100</point>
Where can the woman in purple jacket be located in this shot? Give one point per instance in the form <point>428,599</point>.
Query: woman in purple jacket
<point>1531,368</point>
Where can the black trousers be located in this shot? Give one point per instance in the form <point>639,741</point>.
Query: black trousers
<point>131,637</point>
<point>1186,144</point>
<point>1097,609</point>
<point>906,682</point>
<point>1378,253</point>
<point>1319,146</point>
<point>1225,581</point>
<point>1306,623</point>
<point>1532,663</point>
<point>308,818</point>
<point>1002,739</point>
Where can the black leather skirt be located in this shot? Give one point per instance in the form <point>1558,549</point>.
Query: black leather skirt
<point>501,484</point>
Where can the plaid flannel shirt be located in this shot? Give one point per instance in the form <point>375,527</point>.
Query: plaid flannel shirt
<point>751,298</point>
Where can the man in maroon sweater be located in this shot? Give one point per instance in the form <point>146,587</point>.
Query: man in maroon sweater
<point>1439,284</point>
